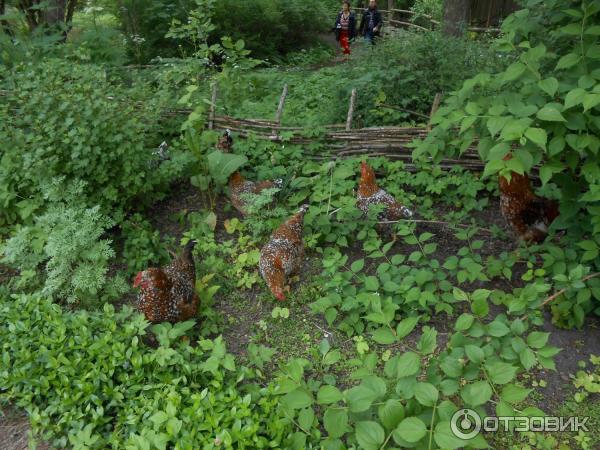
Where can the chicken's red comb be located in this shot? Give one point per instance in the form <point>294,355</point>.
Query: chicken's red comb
<point>137,280</point>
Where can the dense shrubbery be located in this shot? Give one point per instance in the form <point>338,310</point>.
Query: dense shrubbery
<point>405,72</point>
<point>544,108</point>
<point>270,28</point>
<point>67,121</point>
<point>89,376</point>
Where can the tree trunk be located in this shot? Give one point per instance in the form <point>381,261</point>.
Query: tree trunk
<point>391,5</point>
<point>54,14</point>
<point>4,25</point>
<point>456,17</point>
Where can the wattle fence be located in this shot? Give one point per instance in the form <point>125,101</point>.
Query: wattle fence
<point>339,140</point>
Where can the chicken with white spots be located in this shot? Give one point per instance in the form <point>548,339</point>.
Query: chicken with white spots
<point>369,193</point>
<point>168,294</point>
<point>239,187</point>
<point>282,255</point>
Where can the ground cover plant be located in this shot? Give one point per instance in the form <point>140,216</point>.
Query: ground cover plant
<point>383,336</point>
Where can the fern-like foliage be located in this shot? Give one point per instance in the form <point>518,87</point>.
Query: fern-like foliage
<point>66,248</point>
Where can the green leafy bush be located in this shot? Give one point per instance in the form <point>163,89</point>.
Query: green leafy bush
<point>60,119</point>
<point>412,400</point>
<point>406,71</point>
<point>544,108</point>
<point>89,382</point>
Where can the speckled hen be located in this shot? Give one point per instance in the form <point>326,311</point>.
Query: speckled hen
<point>369,193</point>
<point>168,294</point>
<point>529,215</point>
<point>238,185</point>
<point>282,255</point>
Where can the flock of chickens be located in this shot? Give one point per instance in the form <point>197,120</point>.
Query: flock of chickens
<point>168,294</point>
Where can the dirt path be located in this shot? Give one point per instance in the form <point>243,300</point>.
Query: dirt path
<point>14,431</point>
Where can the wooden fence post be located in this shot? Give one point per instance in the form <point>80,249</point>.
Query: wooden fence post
<point>279,112</point>
<point>281,104</point>
<point>213,106</point>
<point>351,110</point>
<point>436,105</point>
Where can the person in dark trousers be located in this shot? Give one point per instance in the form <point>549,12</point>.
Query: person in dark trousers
<point>371,23</point>
<point>345,27</point>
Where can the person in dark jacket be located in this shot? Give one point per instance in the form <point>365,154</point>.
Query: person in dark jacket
<point>345,27</point>
<point>371,23</point>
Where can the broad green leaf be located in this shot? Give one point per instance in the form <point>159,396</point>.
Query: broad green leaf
<point>445,438</point>
<point>549,86</point>
<point>297,399</point>
<point>514,71</point>
<point>569,60</point>
<point>474,353</point>
<point>371,283</point>
<point>501,373</point>
<point>411,429</point>
<point>537,339</point>
<point>369,435</point>
<point>360,398</point>
<point>464,322</point>
<point>476,394</point>
<point>538,136</point>
<point>550,114</point>
<point>591,101</point>
<point>222,165</point>
<point>328,394</point>
<point>497,329</point>
<point>384,336</point>
<point>306,418</point>
<point>426,394</point>
<point>428,341</point>
<point>408,364</point>
<point>406,326</point>
<point>527,358</point>
<point>335,422</point>
<point>574,97</point>
<point>391,413</point>
<point>357,265</point>
<point>514,394</point>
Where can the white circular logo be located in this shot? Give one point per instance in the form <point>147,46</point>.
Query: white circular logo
<point>465,424</point>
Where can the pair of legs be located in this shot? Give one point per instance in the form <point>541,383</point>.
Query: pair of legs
<point>345,42</point>
<point>370,37</point>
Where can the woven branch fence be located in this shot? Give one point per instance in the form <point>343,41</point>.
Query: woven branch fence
<point>340,140</point>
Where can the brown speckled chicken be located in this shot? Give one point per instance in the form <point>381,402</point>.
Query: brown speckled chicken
<point>528,215</point>
<point>282,255</point>
<point>238,185</point>
<point>369,193</point>
<point>168,294</point>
